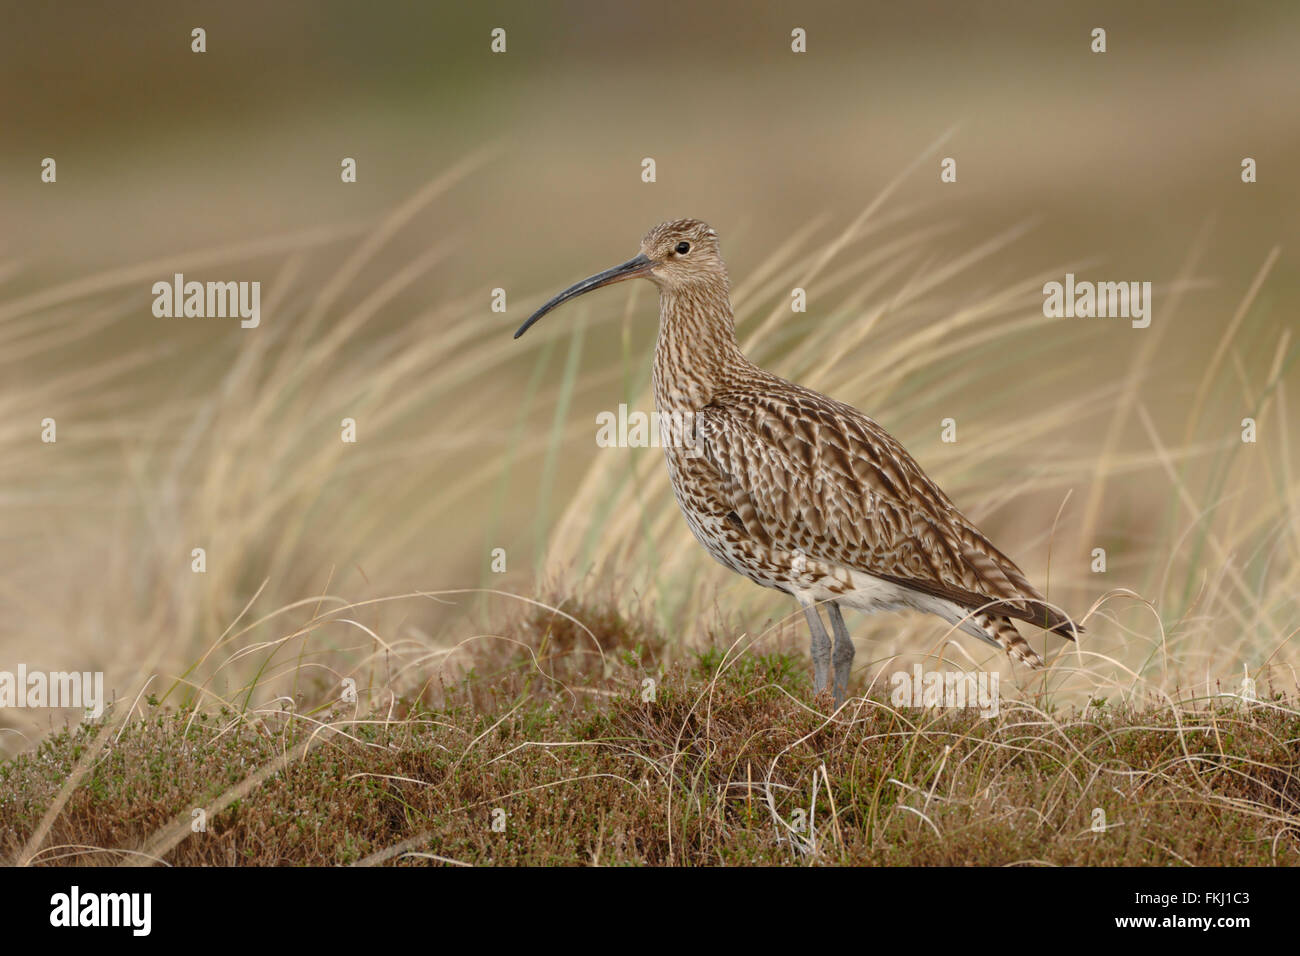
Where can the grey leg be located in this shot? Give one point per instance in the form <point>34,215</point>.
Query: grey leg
<point>843,653</point>
<point>821,647</point>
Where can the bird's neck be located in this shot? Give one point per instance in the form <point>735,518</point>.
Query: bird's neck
<point>696,350</point>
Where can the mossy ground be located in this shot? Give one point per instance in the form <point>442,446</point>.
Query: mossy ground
<point>544,754</point>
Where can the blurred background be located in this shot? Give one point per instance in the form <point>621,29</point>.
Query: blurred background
<point>522,171</point>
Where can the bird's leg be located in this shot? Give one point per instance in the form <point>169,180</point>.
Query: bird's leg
<point>821,647</point>
<point>843,653</point>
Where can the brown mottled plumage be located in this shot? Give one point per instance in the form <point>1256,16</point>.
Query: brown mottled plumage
<point>802,493</point>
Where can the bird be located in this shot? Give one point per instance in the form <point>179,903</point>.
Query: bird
<point>800,492</point>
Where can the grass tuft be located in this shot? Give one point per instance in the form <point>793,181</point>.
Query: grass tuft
<point>728,761</point>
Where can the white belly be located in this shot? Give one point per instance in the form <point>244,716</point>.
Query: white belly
<point>870,594</point>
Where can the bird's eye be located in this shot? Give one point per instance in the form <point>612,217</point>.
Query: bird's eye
<point>683,248</point>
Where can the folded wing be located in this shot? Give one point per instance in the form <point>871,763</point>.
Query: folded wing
<point>819,476</point>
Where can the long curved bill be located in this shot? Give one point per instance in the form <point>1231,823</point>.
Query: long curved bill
<point>638,266</point>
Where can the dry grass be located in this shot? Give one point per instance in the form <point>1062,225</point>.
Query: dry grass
<point>369,563</point>
<point>469,441</point>
<point>311,543</point>
<point>730,763</point>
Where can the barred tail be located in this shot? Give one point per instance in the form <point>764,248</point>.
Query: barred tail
<point>1004,634</point>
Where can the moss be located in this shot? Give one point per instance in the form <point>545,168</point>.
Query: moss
<point>730,763</point>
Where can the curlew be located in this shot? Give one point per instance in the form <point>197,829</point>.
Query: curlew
<point>800,492</point>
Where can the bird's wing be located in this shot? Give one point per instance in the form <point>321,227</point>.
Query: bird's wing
<point>823,478</point>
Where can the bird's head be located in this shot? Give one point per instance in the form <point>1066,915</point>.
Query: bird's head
<point>683,252</point>
<point>675,256</point>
